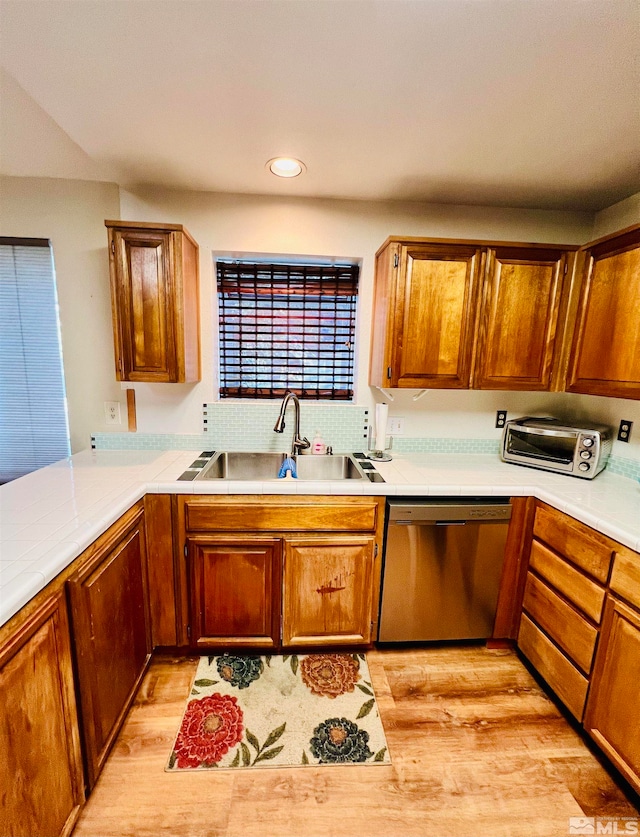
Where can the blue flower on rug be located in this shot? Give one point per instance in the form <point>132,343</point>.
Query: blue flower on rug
<point>340,740</point>
<point>239,671</point>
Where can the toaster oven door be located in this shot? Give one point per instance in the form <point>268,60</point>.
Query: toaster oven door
<point>554,449</point>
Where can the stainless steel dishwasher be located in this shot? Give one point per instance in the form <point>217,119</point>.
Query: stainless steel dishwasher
<point>442,567</point>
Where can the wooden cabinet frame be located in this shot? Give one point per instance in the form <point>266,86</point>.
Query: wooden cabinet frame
<point>612,716</point>
<point>41,774</point>
<point>482,331</point>
<point>312,588</point>
<point>521,322</point>
<point>103,711</point>
<point>343,522</point>
<point>605,349</point>
<point>250,576</point>
<point>154,270</point>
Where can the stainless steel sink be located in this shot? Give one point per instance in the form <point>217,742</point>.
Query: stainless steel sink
<point>247,465</point>
<point>328,468</point>
<point>243,465</point>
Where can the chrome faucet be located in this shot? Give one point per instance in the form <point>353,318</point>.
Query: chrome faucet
<point>298,443</point>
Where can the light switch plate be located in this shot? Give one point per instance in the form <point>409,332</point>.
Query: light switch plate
<point>395,426</point>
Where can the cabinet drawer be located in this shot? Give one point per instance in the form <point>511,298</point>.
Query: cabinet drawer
<point>582,546</point>
<point>284,515</point>
<point>580,590</point>
<point>563,624</point>
<point>564,678</point>
<point>625,578</point>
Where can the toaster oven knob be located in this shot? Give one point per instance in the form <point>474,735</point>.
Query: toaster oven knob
<point>584,466</point>
<point>586,454</point>
<point>587,442</point>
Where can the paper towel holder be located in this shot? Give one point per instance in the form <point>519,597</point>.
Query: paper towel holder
<point>377,455</point>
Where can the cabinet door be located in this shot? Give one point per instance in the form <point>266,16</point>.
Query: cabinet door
<point>327,591</point>
<point>612,716</point>
<point>109,610</point>
<point>605,356</point>
<point>41,766</point>
<point>235,591</point>
<point>143,295</point>
<point>521,301</point>
<point>434,322</point>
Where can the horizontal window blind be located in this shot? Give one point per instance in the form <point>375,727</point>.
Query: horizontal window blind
<point>287,326</point>
<point>34,428</point>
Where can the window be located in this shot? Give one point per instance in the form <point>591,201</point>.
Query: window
<point>287,326</point>
<point>34,429</point>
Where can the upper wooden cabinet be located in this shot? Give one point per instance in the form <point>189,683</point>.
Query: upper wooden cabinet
<point>521,303</point>
<point>460,314</point>
<point>605,355</point>
<point>155,304</point>
<point>424,314</point>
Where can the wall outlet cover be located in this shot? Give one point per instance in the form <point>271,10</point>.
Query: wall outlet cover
<point>624,431</point>
<point>501,418</point>
<point>112,412</point>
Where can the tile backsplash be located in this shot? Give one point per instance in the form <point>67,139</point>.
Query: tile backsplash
<point>249,426</point>
<point>232,425</point>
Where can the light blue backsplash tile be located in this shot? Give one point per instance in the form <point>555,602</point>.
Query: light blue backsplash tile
<point>403,444</point>
<point>625,467</point>
<point>148,441</point>
<point>238,426</point>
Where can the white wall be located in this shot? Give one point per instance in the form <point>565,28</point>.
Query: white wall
<point>34,145</point>
<point>72,213</point>
<point>259,224</point>
<point>617,217</point>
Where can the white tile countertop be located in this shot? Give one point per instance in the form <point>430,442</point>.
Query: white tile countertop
<point>50,516</point>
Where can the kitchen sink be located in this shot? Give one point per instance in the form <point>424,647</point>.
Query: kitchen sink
<point>328,468</point>
<point>247,465</point>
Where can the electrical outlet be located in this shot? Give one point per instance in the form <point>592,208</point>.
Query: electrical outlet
<point>112,412</point>
<point>395,426</point>
<point>501,418</point>
<point>624,431</point>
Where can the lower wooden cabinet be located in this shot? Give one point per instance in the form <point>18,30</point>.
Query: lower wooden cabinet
<point>108,600</point>
<point>580,629</point>
<point>235,591</point>
<point>41,782</point>
<point>563,602</point>
<point>279,572</point>
<point>612,715</point>
<point>327,591</point>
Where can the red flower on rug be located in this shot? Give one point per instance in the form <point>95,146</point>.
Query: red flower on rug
<point>210,728</point>
<point>330,675</point>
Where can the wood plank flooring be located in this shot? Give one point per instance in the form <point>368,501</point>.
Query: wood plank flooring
<point>477,749</point>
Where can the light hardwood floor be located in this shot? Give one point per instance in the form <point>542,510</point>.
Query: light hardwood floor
<point>477,749</point>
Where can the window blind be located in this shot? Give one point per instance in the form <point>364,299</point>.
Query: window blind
<point>34,429</point>
<point>286,326</point>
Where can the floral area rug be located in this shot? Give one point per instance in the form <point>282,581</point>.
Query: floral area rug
<point>280,711</point>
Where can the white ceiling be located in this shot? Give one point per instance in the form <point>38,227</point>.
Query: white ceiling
<point>496,102</point>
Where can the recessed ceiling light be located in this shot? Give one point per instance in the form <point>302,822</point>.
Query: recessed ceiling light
<point>286,166</point>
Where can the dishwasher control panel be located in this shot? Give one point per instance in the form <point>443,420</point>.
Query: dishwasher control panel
<point>451,508</point>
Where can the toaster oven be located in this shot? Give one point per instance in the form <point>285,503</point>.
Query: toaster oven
<point>553,445</point>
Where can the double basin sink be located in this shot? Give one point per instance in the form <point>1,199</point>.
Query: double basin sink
<point>246,465</point>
